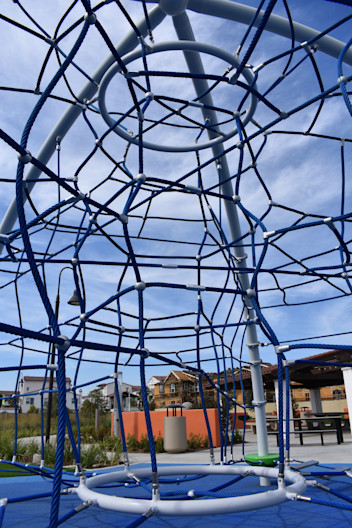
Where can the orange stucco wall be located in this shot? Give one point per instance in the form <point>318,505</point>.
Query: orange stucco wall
<point>134,423</point>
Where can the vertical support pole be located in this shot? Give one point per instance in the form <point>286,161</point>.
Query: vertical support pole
<point>347,378</point>
<point>116,423</point>
<point>184,32</point>
<point>284,400</point>
<point>97,420</point>
<point>315,400</point>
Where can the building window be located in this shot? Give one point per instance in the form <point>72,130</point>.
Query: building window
<point>29,401</point>
<point>172,387</point>
<point>161,388</point>
<point>196,386</point>
<point>337,395</point>
<point>185,386</point>
<point>307,395</point>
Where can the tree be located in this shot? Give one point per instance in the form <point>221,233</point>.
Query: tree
<point>94,400</point>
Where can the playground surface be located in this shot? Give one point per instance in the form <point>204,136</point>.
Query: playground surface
<point>35,513</point>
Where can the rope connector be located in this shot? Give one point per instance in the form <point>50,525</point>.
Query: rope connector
<point>236,199</point>
<point>342,80</point>
<point>141,177</point>
<point>240,258</point>
<point>144,352</point>
<point>195,287</point>
<point>25,158</point>
<point>261,403</point>
<point>4,239</point>
<point>192,189</point>
<point>282,348</point>
<point>65,345</point>
<point>268,234</point>
<point>140,286</point>
<point>257,361</point>
<point>52,42</point>
<point>123,219</point>
<point>252,345</point>
<point>288,362</point>
<point>91,19</point>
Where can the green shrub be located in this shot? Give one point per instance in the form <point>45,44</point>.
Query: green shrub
<point>49,455</point>
<point>159,444</point>
<point>197,441</point>
<point>93,456</point>
<point>144,443</point>
<point>112,443</point>
<point>132,442</point>
<point>6,445</point>
<point>237,437</point>
<point>68,454</point>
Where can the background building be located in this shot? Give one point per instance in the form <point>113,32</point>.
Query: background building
<point>31,387</point>
<point>177,387</point>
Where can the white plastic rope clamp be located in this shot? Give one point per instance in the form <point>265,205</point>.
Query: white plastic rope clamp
<point>282,348</point>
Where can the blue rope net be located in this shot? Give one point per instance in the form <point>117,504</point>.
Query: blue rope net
<point>190,190</point>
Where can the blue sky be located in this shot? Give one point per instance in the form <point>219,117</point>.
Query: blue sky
<point>301,172</point>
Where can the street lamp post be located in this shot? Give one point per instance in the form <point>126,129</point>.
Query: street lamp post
<point>52,362</point>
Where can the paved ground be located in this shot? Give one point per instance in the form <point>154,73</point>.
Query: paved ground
<point>331,452</point>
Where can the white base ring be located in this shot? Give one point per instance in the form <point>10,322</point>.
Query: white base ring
<point>217,506</point>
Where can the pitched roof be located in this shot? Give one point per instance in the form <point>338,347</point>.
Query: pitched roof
<point>38,378</point>
<point>181,376</point>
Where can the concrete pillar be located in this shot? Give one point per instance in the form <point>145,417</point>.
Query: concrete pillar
<point>347,378</point>
<point>315,400</point>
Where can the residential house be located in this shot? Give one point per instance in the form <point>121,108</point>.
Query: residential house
<point>128,394</point>
<point>154,380</point>
<point>7,405</point>
<point>177,387</point>
<point>32,386</point>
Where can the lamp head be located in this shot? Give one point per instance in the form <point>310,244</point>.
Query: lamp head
<point>74,301</point>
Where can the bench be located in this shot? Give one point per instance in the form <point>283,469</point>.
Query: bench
<point>314,426</point>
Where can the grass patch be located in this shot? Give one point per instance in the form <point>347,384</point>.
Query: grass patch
<point>7,470</point>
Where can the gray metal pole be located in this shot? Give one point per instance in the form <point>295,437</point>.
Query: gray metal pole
<point>184,32</point>
<point>275,24</point>
<point>127,44</point>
